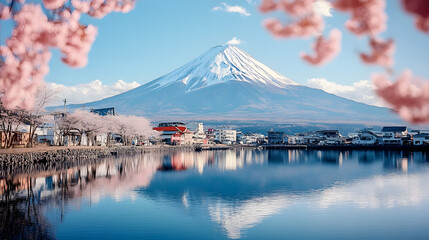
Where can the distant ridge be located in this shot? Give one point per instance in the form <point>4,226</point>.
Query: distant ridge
<point>226,83</point>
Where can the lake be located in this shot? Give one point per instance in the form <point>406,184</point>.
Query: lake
<point>231,194</point>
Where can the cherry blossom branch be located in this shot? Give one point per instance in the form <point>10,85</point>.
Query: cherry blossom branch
<point>367,18</point>
<point>25,56</point>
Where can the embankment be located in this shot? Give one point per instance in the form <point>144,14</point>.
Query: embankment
<point>72,155</point>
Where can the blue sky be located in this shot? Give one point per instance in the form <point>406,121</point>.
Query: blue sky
<point>159,36</point>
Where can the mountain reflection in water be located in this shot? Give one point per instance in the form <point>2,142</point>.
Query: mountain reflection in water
<point>241,192</point>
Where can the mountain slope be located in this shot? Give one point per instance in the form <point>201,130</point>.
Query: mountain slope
<point>225,83</point>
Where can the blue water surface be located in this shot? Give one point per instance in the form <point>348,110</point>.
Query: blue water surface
<point>230,194</point>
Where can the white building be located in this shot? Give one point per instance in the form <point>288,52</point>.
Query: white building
<point>367,137</point>
<point>394,134</point>
<point>196,127</point>
<point>277,137</point>
<point>421,139</point>
<point>298,138</point>
<point>226,136</point>
<point>251,138</point>
<point>45,134</point>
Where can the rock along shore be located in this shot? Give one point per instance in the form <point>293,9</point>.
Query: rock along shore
<point>74,155</point>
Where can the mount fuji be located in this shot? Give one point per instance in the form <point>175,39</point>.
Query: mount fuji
<point>226,83</point>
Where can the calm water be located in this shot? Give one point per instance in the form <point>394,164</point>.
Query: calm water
<point>237,194</point>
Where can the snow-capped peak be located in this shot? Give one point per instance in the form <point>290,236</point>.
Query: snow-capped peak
<point>221,64</point>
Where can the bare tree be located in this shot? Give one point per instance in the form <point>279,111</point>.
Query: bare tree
<point>10,120</point>
<point>66,124</point>
<point>38,115</point>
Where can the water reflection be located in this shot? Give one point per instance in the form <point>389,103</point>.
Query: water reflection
<point>236,190</point>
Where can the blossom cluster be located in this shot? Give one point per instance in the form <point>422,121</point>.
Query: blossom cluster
<point>408,96</point>
<point>305,23</point>
<point>25,56</point>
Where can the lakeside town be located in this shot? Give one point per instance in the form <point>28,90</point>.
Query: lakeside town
<point>95,128</point>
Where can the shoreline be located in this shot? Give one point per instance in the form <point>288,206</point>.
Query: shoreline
<point>48,156</point>
<point>352,147</point>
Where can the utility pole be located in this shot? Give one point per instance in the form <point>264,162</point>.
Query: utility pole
<point>65,102</point>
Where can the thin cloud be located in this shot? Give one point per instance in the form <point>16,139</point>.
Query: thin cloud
<point>323,8</point>
<point>92,91</point>
<point>232,9</point>
<point>361,91</point>
<point>234,41</point>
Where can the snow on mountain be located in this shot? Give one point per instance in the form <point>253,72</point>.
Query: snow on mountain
<point>226,83</point>
<point>221,64</point>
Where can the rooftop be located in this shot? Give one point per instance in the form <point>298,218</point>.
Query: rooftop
<point>394,129</point>
<point>104,111</point>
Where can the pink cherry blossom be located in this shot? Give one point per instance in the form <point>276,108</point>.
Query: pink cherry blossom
<point>422,24</point>
<point>306,27</point>
<point>5,12</point>
<point>296,7</point>
<point>419,8</point>
<point>267,6</point>
<point>367,16</point>
<point>305,22</point>
<point>24,58</point>
<point>291,7</point>
<point>25,61</point>
<point>324,49</point>
<point>409,96</point>
<point>100,8</point>
<point>53,4</point>
<point>381,53</point>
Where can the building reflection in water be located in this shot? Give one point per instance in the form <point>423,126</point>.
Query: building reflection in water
<point>244,201</point>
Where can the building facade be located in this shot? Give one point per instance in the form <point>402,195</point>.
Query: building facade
<point>168,129</point>
<point>277,137</point>
<point>394,134</point>
<point>225,136</point>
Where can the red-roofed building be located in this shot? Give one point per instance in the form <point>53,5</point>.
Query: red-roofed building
<point>172,128</point>
<point>182,138</point>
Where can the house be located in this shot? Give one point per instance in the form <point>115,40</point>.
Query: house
<point>225,136</point>
<point>277,137</point>
<point>67,136</point>
<point>168,129</point>
<point>331,137</point>
<point>196,127</point>
<point>421,139</point>
<point>311,138</point>
<point>103,138</point>
<point>323,137</point>
<point>210,133</point>
<point>104,111</point>
<point>18,138</point>
<point>250,138</point>
<point>189,137</point>
<point>298,138</point>
<point>177,138</point>
<point>199,139</point>
<point>366,137</point>
<point>239,136</point>
<point>262,139</point>
<point>182,138</point>
<point>45,134</point>
<point>394,134</point>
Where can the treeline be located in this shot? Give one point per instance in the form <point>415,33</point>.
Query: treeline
<point>66,125</point>
<point>93,125</point>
